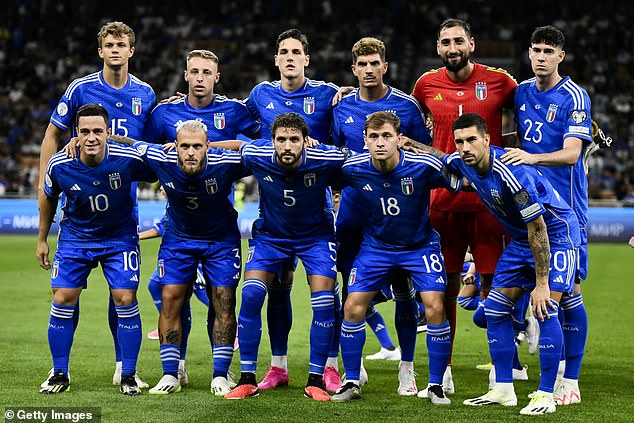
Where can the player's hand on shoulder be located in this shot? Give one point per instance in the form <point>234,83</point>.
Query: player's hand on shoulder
<point>515,156</point>
<point>429,122</point>
<point>70,149</point>
<point>170,146</point>
<point>311,142</point>
<point>172,98</point>
<point>342,91</point>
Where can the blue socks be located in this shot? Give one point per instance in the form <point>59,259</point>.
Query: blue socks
<point>222,359</point>
<point>334,346</point>
<point>60,335</point>
<point>469,303</point>
<point>376,322</point>
<point>550,344</point>
<point>250,323</point>
<point>186,327</point>
<point>575,331</point>
<point>169,359</point>
<point>439,349</point>
<point>352,341</point>
<point>321,330</point>
<point>498,309</point>
<point>406,321</point>
<point>113,322</point>
<point>279,317</point>
<point>129,335</point>
<point>155,290</point>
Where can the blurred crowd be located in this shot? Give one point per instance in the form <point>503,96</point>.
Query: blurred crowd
<point>45,44</point>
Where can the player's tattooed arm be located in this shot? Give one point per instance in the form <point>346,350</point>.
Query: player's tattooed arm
<point>540,247</point>
<point>224,303</point>
<point>420,148</point>
<point>121,139</point>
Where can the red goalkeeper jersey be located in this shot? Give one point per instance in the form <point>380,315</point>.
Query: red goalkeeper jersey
<point>486,92</point>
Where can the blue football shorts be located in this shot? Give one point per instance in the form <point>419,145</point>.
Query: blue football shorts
<point>72,265</point>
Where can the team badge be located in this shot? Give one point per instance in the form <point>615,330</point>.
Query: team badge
<point>55,269</point>
<point>353,276</point>
<point>496,196</point>
<point>407,186</point>
<point>579,116</point>
<point>309,179</point>
<point>211,185</point>
<point>115,180</point>
<point>481,90</point>
<point>161,268</point>
<point>137,106</point>
<point>309,105</point>
<point>521,198</point>
<point>550,114</point>
<point>219,120</point>
<point>250,254</point>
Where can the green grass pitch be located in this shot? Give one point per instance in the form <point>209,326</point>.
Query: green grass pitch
<point>607,379</point>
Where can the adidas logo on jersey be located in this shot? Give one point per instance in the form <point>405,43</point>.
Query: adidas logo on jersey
<point>367,187</point>
<point>438,97</point>
<point>559,279</point>
<point>134,278</point>
<point>349,120</point>
<point>440,280</point>
<point>268,178</point>
<point>270,106</point>
<point>75,188</point>
<point>523,108</point>
<point>170,185</point>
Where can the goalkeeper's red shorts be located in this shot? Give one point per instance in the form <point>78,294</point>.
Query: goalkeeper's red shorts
<point>478,230</point>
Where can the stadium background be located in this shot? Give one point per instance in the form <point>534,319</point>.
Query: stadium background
<point>46,44</point>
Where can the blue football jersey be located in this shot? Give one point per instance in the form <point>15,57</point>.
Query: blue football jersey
<point>351,112</point>
<point>545,120</point>
<point>517,195</point>
<point>293,203</point>
<point>397,202</point>
<point>129,107</point>
<point>199,207</point>
<point>97,208</point>
<point>313,102</point>
<point>225,119</point>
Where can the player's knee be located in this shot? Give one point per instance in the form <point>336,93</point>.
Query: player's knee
<point>354,311</point>
<point>479,318</point>
<point>123,297</point>
<point>435,312</point>
<point>65,297</point>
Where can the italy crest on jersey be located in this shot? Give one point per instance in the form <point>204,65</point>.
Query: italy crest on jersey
<point>55,269</point>
<point>161,268</point>
<point>137,106</point>
<point>309,105</point>
<point>481,90</point>
<point>353,276</point>
<point>309,179</point>
<point>550,114</point>
<point>407,186</point>
<point>115,180</point>
<point>211,185</point>
<point>250,254</point>
<point>219,120</point>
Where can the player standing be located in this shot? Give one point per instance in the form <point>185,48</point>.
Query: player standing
<point>97,226</point>
<point>555,127</point>
<point>128,101</point>
<point>463,86</point>
<point>312,100</point>
<point>295,220</point>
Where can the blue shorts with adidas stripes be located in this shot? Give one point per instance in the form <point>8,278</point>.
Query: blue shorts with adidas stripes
<point>318,254</point>
<point>516,268</point>
<point>178,260</point>
<point>373,268</point>
<point>73,264</point>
